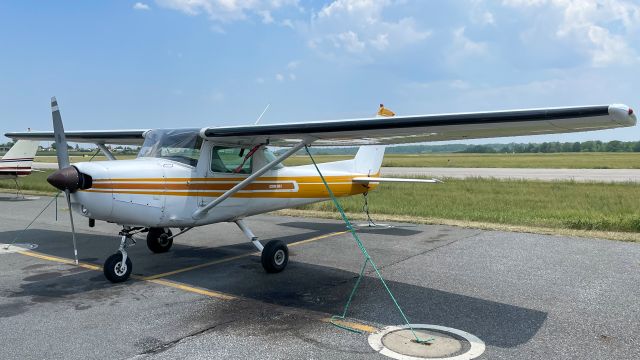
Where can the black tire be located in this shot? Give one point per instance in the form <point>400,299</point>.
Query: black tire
<point>275,256</point>
<point>113,271</point>
<point>157,240</point>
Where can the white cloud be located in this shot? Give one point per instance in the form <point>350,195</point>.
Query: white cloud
<point>464,46</point>
<point>141,6</point>
<point>280,77</point>
<point>360,28</point>
<point>349,41</point>
<point>381,41</point>
<point>266,16</point>
<point>228,10</point>
<point>487,18</point>
<point>292,65</point>
<point>599,28</point>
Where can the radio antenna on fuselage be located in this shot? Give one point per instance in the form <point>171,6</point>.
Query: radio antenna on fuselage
<point>263,111</point>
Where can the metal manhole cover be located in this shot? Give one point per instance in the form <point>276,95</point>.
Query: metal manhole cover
<point>398,342</point>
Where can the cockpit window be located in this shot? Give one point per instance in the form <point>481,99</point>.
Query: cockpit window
<point>231,160</point>
<point>181,145</point>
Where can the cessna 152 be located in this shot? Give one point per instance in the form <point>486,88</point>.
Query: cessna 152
<point>183,178</point>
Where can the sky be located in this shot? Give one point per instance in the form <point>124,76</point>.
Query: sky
<point>194,63</point>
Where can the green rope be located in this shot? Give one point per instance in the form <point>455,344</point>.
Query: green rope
<point>367,259</point>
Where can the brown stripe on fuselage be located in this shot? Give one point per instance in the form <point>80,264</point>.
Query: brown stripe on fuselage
<point>191,186</point>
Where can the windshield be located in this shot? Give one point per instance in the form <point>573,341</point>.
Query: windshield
<point>181,145</point>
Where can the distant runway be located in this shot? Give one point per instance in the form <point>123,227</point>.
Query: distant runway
<point>602,175</point>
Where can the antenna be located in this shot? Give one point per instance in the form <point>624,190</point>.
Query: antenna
<point>263,111</point>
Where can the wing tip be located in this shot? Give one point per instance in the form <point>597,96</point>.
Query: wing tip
<point>622,114</point>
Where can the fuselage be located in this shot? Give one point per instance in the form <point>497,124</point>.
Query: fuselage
<point>165,192</point>
<point>14,168</point>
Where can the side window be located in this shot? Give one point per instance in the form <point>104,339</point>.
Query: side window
<point>230,160</point>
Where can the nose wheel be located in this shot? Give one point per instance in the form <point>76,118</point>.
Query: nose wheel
<point>117,268</point>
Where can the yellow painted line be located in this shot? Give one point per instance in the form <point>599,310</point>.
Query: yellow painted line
<point>353,325</point>
<point>172,284</point>
<point>193,289</point>
<point>231,258</point>
<point>317,238</point>
<point>59,260</point>
<point>199,266</point>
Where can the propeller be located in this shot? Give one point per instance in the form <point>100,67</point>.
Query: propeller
<point>67,178</point>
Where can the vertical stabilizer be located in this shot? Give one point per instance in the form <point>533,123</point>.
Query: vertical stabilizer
<point>369,159</point>
<point>18,160</point>
<point>22,149</point>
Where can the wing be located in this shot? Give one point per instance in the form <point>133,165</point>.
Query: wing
<point>426,128</point>
<point>118,137</point>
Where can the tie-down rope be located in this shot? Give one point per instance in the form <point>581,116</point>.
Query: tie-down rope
<point>367,260</point>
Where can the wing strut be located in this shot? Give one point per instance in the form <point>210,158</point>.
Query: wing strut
<point>106,151</point>
<point>200,213</point>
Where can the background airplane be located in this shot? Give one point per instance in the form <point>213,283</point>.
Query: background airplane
<point>18,160</point>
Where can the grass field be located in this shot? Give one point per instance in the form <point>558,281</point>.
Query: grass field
<point>569,205</point>
<point>544,161</point>
<point>559,205</point>
<point>36,182</point>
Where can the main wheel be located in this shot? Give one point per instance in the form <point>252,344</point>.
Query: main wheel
<point>158,240</point>
<point>115,271</point>
<point>275,256</point>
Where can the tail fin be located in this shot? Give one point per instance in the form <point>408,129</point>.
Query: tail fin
<point>368,160</point>
<point>20,157</point>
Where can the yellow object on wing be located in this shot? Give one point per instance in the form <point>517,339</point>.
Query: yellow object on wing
<point>385,112</point>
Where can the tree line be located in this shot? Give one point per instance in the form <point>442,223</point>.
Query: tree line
<point>557,147</point>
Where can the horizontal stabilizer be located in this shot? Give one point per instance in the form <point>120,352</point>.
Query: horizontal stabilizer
<point>366,180</point>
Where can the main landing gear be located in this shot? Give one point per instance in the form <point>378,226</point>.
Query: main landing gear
<point>274,255</point>
<point>159,240</point>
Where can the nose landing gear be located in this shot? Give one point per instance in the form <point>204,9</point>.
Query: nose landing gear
<point>117,268</point>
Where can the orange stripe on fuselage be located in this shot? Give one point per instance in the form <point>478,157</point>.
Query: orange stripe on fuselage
<point>308,187</point>
<point>299,179</point>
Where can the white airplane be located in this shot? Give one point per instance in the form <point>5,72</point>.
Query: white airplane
<point>183,178</point>
<point>17,162</point>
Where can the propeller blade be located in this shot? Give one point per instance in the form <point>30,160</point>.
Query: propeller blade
<point>58,133</point>
<point>73,228</point>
